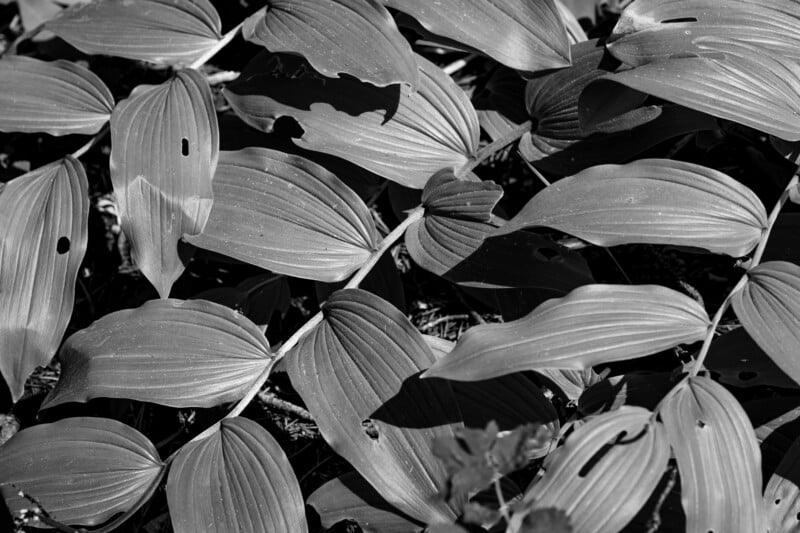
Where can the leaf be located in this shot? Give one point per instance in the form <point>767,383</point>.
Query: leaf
<point>740,362</point>
<point>356,37</point>
<point>43,235</point>
<point>642,389</point>
<point>589,477</point>
<point>257,297</point>
<point>402,137</point>
<point>171,352</point>
<point>357,372</point>
<point>570,383</point>
<point>656,201</point>
<point>166,32</point>
<point>287,214</point>
<point>82,471</point>
<point>164,150</point>
<point>238,479</point>
<point>718,458</point>
<point>58,98</point>
<point>533,34</point>
<point>769,308</point>
<point>782,494</point>
<point>591,325</point>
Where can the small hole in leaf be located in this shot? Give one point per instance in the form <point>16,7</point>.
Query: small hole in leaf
<point>185,147</point>
<point>62,246</point>
<point>777,501</point>
<point>370,428</point>
<point>797,516</point>
<point>701,424</point>
<point>747,376</point>
<point>676,20</point>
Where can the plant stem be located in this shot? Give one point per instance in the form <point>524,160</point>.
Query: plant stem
<point>501,501</point>
<point>495,146</point>
<point>228,37</point>
<point>99,136</point>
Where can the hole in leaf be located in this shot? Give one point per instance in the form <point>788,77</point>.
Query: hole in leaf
<point>797,516</point>
<point>777,501</point>
<point>370,428</point>
<point>185,147</point>
<point>701,424</point>
<point>62,246</point>
<point>747,376</point>
<point>677,20</point>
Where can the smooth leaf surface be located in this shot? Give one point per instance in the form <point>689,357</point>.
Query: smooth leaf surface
<point>358,374</point>
<point>656,201</point>
<point>782,494</point>
<point>287,214</point>
<point>171,352</point>
<point>237,479</point>
<point>591,325</point>
<point>718,458</point>
<point>164,151</point>
<point>58,98</point>
<point>83,471</point>
<point>356,37</point>
<point>402,137</point>
<point>43,235</point>
<point>167,32</point>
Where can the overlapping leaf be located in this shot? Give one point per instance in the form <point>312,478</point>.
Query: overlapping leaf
<point>168,32</point>
<point>402,137</point>
<point>782,493</point>
<point>358,374</point>
<point>58,98</point>
<point>164,151</point>
<point>43,234</point>
<point>769,308</point>
<point>356,37</point>
<point>172,352</point>
<point>287,214</point>
<point>657,201</point>
<point>82,471</point>
<point>591,325</point>
<point>718,458</point>
<point>237,479</point>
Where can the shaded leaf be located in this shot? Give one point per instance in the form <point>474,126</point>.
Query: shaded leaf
<point>237,479</point>
<point>782,494</point>
<point>58,98</point>
<point>740,362</point>
<point>571,383</point>
<point>784,239</point>
<point>258,297</point>
<point>288,215</point>
<point>642,389</point>
<point>82,471</point>
<point>164,150</point>
<point>43,235</point>
<point>383,280</point>
<point>591,325</point>
<point>171,352</point>
<point>548,520</point>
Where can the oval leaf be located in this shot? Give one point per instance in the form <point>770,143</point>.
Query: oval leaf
<point>591,325</point>
<point>83,471</point>
<point>655,201</point>
<point>358,374</point>
<point>782,494</point>
<point>718,458</point>
<point>43,235</point>
<point>172,352</point>
<point>167,32</point>
<point>238,479</point>
<point>58,98</point>
<point>164,150</point>
<point>287,214</point>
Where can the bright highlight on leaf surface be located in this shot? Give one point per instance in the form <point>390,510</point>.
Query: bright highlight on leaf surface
<point>164,151</point>
<point>171,352</point>
<point>591,325</point>
<point>83,471</point>
<point>238,479</point>
<point>288,215</point>
<point>43,234</point>
<point>58,98</point>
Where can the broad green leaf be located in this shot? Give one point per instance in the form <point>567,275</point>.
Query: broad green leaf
<point>287,214</point>
<point>402,137</point>
<point>58,98</point>
<point>605,471</point>
<point>356,37</point>
<point>782,494</point>
<point>167,32</point>
<point>164,151</point>
<point>739,361</point>
<point>358,374</point>
<point>655,201</point>
<point>574,29</point>
<point>237,479</point>
<point>718,458</point>
<point>43,235</point>
<point>769,308</point>
<point>591,325</point>
<point>527,36</point>
<point>171,352</point>
<point>82,471</point>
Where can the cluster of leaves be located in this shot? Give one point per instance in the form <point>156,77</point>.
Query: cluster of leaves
<point>578,111</point>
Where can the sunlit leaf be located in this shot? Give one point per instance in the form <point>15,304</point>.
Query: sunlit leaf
<point>287,214</point>
<point>591,325</point>
<point>164,150</point>
<point>83,471</point>
<point>172,352</point>
<point>43,235</point>
<point>237,479</point>
<point>782,493</point>
<point>58,98</point>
